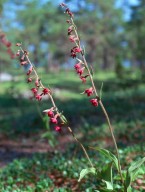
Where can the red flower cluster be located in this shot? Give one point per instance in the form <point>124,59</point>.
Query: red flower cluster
<point>89,91</point>
<point>67,10</point>
<point>53,119</point>
<point>7,44</point>
<point>37,96</point>
<point>74,51</point>
<point>94,102</point>
<point>24,60</point>
<point>72,38</point>
<point>80,70</point>
<point>79,67</point>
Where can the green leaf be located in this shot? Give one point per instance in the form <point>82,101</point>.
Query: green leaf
<point>84,172</point>
<point>132,173</point>
<point>105,190</point>
<point>127,180</point>
<point>129,189</point>
<point>108,154</point>
<point>45,121</point>
<point>139,171</point>
<point>106,175</point>
<point>136,165</point>
<point>109,185</point>
<point>64,119</point>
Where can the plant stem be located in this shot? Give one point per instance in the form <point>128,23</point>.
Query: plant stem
<point>81,145</point>
<point>100,102</point>
<point>106,116</point>
<point>113,137</point>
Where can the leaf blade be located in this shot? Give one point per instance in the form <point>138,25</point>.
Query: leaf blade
<point>84,172</point>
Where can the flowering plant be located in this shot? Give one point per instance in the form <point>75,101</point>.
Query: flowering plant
<point>123,178</point>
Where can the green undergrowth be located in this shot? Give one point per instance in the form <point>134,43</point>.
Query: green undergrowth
<point>58,172</point>
<point>41,173</point>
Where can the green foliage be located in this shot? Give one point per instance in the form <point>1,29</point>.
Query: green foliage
<point>85,172</point>
<point>105,174</point>
<point>132,173</point>
<point>34,174</point>
<point>48,134</point>
<point>109,155</point>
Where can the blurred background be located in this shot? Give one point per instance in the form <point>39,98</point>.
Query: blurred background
<point>113,34</point>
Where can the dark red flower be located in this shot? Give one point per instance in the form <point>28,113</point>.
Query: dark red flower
<point>77,66</point>
<point>8,44</point>
<point>18,53</point>
<point>38,97</point>
<point>46,91</point>
<point>73,54</point>
<point>30,71</point>
<point>63,5</point>
<point>22,58</point>
<point>57,128</point>
<point>37,83</point>
<point>53,120</point>
<point>18,44</point>
<point>69,12</point>
<point>80,71</point>
<point>29,80</point>
<point>70,30</point>
<point>68,21</point>
<point>94,102</point>
<point>34,90</point>
<point>89,91</point>
<point>77,50</point>
<point>83,78</point>
<point>24,62</point>
<point>50,113</point>
<point>72,38</point>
